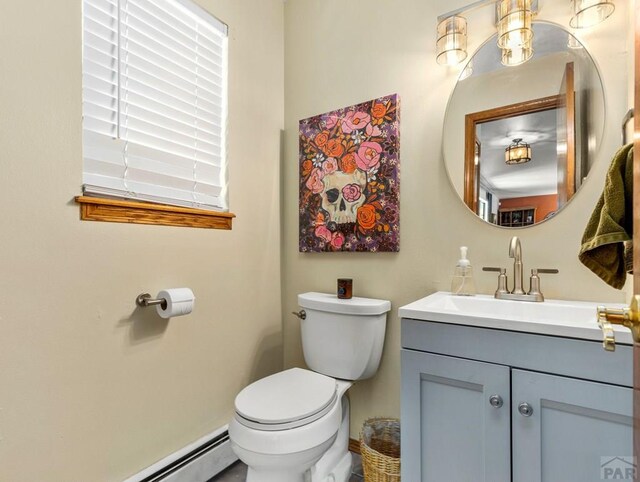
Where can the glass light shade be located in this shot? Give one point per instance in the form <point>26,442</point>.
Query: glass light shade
<point>587,13</point>
<point>517,153</point>
<point>516,56</point>
<point>514,23</point>
<point>451,44</point>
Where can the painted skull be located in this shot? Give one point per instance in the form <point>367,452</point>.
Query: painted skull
<point>343,194</point>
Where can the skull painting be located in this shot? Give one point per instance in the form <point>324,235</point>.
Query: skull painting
<point>343,194</point>
<point>349,179</point>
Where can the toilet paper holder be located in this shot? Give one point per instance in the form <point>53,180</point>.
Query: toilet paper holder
<point>143,300</point>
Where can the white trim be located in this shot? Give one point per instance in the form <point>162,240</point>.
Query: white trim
<point>214,463</point>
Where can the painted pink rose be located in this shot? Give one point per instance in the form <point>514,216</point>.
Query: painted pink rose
<point>368,155</point>
<point>351,192</point>
<point>337,240</point>
<point>314,183</point>
<point>330,166</point>
<point>354,120</point>
<point>323,232</point>
<point>372,130</point>
<point>331,121</point>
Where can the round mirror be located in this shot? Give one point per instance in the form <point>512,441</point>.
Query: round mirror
<point>519,141</point>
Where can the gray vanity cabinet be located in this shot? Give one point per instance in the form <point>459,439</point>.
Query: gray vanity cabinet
<point>569,430</point>
<point>459,432</point>
<point>486,405</point>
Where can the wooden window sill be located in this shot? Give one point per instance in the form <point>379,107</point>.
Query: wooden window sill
<point>119,211</point>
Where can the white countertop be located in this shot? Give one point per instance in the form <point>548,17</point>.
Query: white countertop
<point>572,319</point>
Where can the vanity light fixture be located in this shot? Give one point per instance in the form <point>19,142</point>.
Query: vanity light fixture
<point>513,21</point>
<point>514,24</point>
<point>451,43</point>
<point>587,13</point>
<point>517,152</point>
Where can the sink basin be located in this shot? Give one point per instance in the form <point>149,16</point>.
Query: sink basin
<point>573,319</point>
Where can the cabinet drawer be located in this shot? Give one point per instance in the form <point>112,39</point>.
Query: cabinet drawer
<point>562,356</point>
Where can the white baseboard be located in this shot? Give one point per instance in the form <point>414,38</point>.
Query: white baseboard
<point>197,462</point>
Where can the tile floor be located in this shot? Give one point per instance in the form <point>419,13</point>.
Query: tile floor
<point>238,472</point>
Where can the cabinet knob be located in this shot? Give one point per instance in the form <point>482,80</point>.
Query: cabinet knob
<point>496,401</point>
<point>525,409</point>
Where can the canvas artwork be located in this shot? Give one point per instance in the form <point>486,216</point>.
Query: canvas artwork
<point>349,179</point>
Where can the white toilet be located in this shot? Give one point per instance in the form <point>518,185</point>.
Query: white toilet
<point>294,426</point>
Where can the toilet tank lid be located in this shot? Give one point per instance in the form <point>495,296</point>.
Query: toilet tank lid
<point>333,304</point>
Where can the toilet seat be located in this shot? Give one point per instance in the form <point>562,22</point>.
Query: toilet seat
<point>295,440</point>
<point>286,400</point>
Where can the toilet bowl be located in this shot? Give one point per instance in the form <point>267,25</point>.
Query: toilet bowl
<point>293,426</point>
<point>287,445</point>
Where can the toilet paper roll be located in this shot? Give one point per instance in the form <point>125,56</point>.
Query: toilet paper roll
<point>180,302</point>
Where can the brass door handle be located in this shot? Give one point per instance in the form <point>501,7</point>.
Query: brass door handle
<point>629,317</point>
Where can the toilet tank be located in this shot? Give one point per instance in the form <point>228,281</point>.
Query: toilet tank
<point>343,338</point>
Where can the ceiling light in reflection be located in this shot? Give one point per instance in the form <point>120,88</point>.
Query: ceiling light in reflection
<point>518,152</point>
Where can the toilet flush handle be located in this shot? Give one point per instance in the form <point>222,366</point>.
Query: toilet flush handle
<point>300,314</point>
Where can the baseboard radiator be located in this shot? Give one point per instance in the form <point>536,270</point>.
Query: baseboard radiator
<point>197,462</point>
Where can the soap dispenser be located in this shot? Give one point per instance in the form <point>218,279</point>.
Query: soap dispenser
<point>462,282</point>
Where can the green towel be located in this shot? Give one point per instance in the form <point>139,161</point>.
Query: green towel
<point>609,232</point>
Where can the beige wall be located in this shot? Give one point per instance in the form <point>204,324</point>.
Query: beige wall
<point>92,389</point>
<point>341,53</point>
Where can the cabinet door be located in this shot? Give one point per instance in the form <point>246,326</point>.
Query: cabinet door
<point>450,431</point>
<point>577,431</point>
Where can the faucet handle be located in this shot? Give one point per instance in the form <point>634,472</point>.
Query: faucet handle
<point>497,270</point>
<point>502,279</point>
<point>535,282</point>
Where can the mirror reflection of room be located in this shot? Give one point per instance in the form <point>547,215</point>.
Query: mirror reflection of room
<point>522,183</point>
<point>531,136</point>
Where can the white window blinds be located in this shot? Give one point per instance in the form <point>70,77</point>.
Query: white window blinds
<point>154,102</point>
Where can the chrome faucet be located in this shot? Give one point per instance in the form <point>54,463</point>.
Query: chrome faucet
<point>518,293</point>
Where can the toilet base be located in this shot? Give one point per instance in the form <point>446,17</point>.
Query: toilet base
<point>284,476</point>
<point>282,468</point>
<point>329,462</point>
<point>336,464</point>
<point>341,472</point>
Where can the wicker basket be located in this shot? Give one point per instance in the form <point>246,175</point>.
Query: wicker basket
<point>380,449</point>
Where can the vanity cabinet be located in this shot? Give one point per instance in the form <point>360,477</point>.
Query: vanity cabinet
<point>486,405</point>
<point>570,428</point>
<point>452,431</point>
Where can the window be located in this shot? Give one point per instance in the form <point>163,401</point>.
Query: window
<point>154,103</point>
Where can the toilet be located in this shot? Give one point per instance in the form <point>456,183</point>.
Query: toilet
<point>293,426</point>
